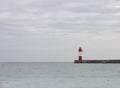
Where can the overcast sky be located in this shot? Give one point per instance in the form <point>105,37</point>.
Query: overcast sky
<point>52,30</point>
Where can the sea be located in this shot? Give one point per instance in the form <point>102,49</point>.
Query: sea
<point>58,75</point>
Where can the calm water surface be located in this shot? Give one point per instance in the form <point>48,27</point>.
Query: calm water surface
<point>59,75</point>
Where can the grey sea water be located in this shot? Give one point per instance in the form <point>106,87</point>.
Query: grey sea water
<point>59,75</point>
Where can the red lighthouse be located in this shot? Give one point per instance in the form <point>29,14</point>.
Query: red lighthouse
<point>80,56</point>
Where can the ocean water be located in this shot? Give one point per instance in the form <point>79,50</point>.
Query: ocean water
<point>59,75</point>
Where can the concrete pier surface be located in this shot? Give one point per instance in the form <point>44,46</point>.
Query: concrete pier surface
<point>97,61</point>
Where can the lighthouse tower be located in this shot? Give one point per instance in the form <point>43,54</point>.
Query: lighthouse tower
<point>80,55</point>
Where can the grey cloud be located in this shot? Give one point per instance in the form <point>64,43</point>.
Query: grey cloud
<point>55,17</point>
<point>51,25</point>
